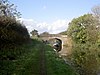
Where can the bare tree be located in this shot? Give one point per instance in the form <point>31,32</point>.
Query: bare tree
<point>8,9</point>
<point>96,11</point>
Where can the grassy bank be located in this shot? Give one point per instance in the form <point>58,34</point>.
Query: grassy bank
<point>28,63</point>
<point>23,64</point>
<point>56,65</point>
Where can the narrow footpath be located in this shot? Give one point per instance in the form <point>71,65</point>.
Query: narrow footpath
<point>42,59</point>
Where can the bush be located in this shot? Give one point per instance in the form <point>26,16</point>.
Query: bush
<point>86,45</point>
<point>12,32</point>
<point>86,59</point>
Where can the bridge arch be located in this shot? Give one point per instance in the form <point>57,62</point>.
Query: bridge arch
<point>58,44</point>
<point>62,38</point>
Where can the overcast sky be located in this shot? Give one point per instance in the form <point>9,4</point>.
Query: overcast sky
<point>52,16</point>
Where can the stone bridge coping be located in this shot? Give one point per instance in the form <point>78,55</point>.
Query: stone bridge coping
<point>55,36</point>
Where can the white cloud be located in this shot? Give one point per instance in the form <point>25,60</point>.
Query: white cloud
<point>58,26</point>
<point>54,27</point>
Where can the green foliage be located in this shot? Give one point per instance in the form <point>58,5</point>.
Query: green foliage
<point>56,65</point>
<point>80,28</point>
<point>12,31</point>
<point>85,58</point>
<point>28,63</point>
<point>25,63</point>
<point>85,51</point>
<point>34,33</point>
<point>12,34</point>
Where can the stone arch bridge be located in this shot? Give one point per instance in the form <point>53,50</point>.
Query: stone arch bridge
<point>51,37</point>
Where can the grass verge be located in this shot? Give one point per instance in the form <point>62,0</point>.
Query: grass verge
<point>28,63</point>
<point>56,65</point>
<point>24,64</point>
